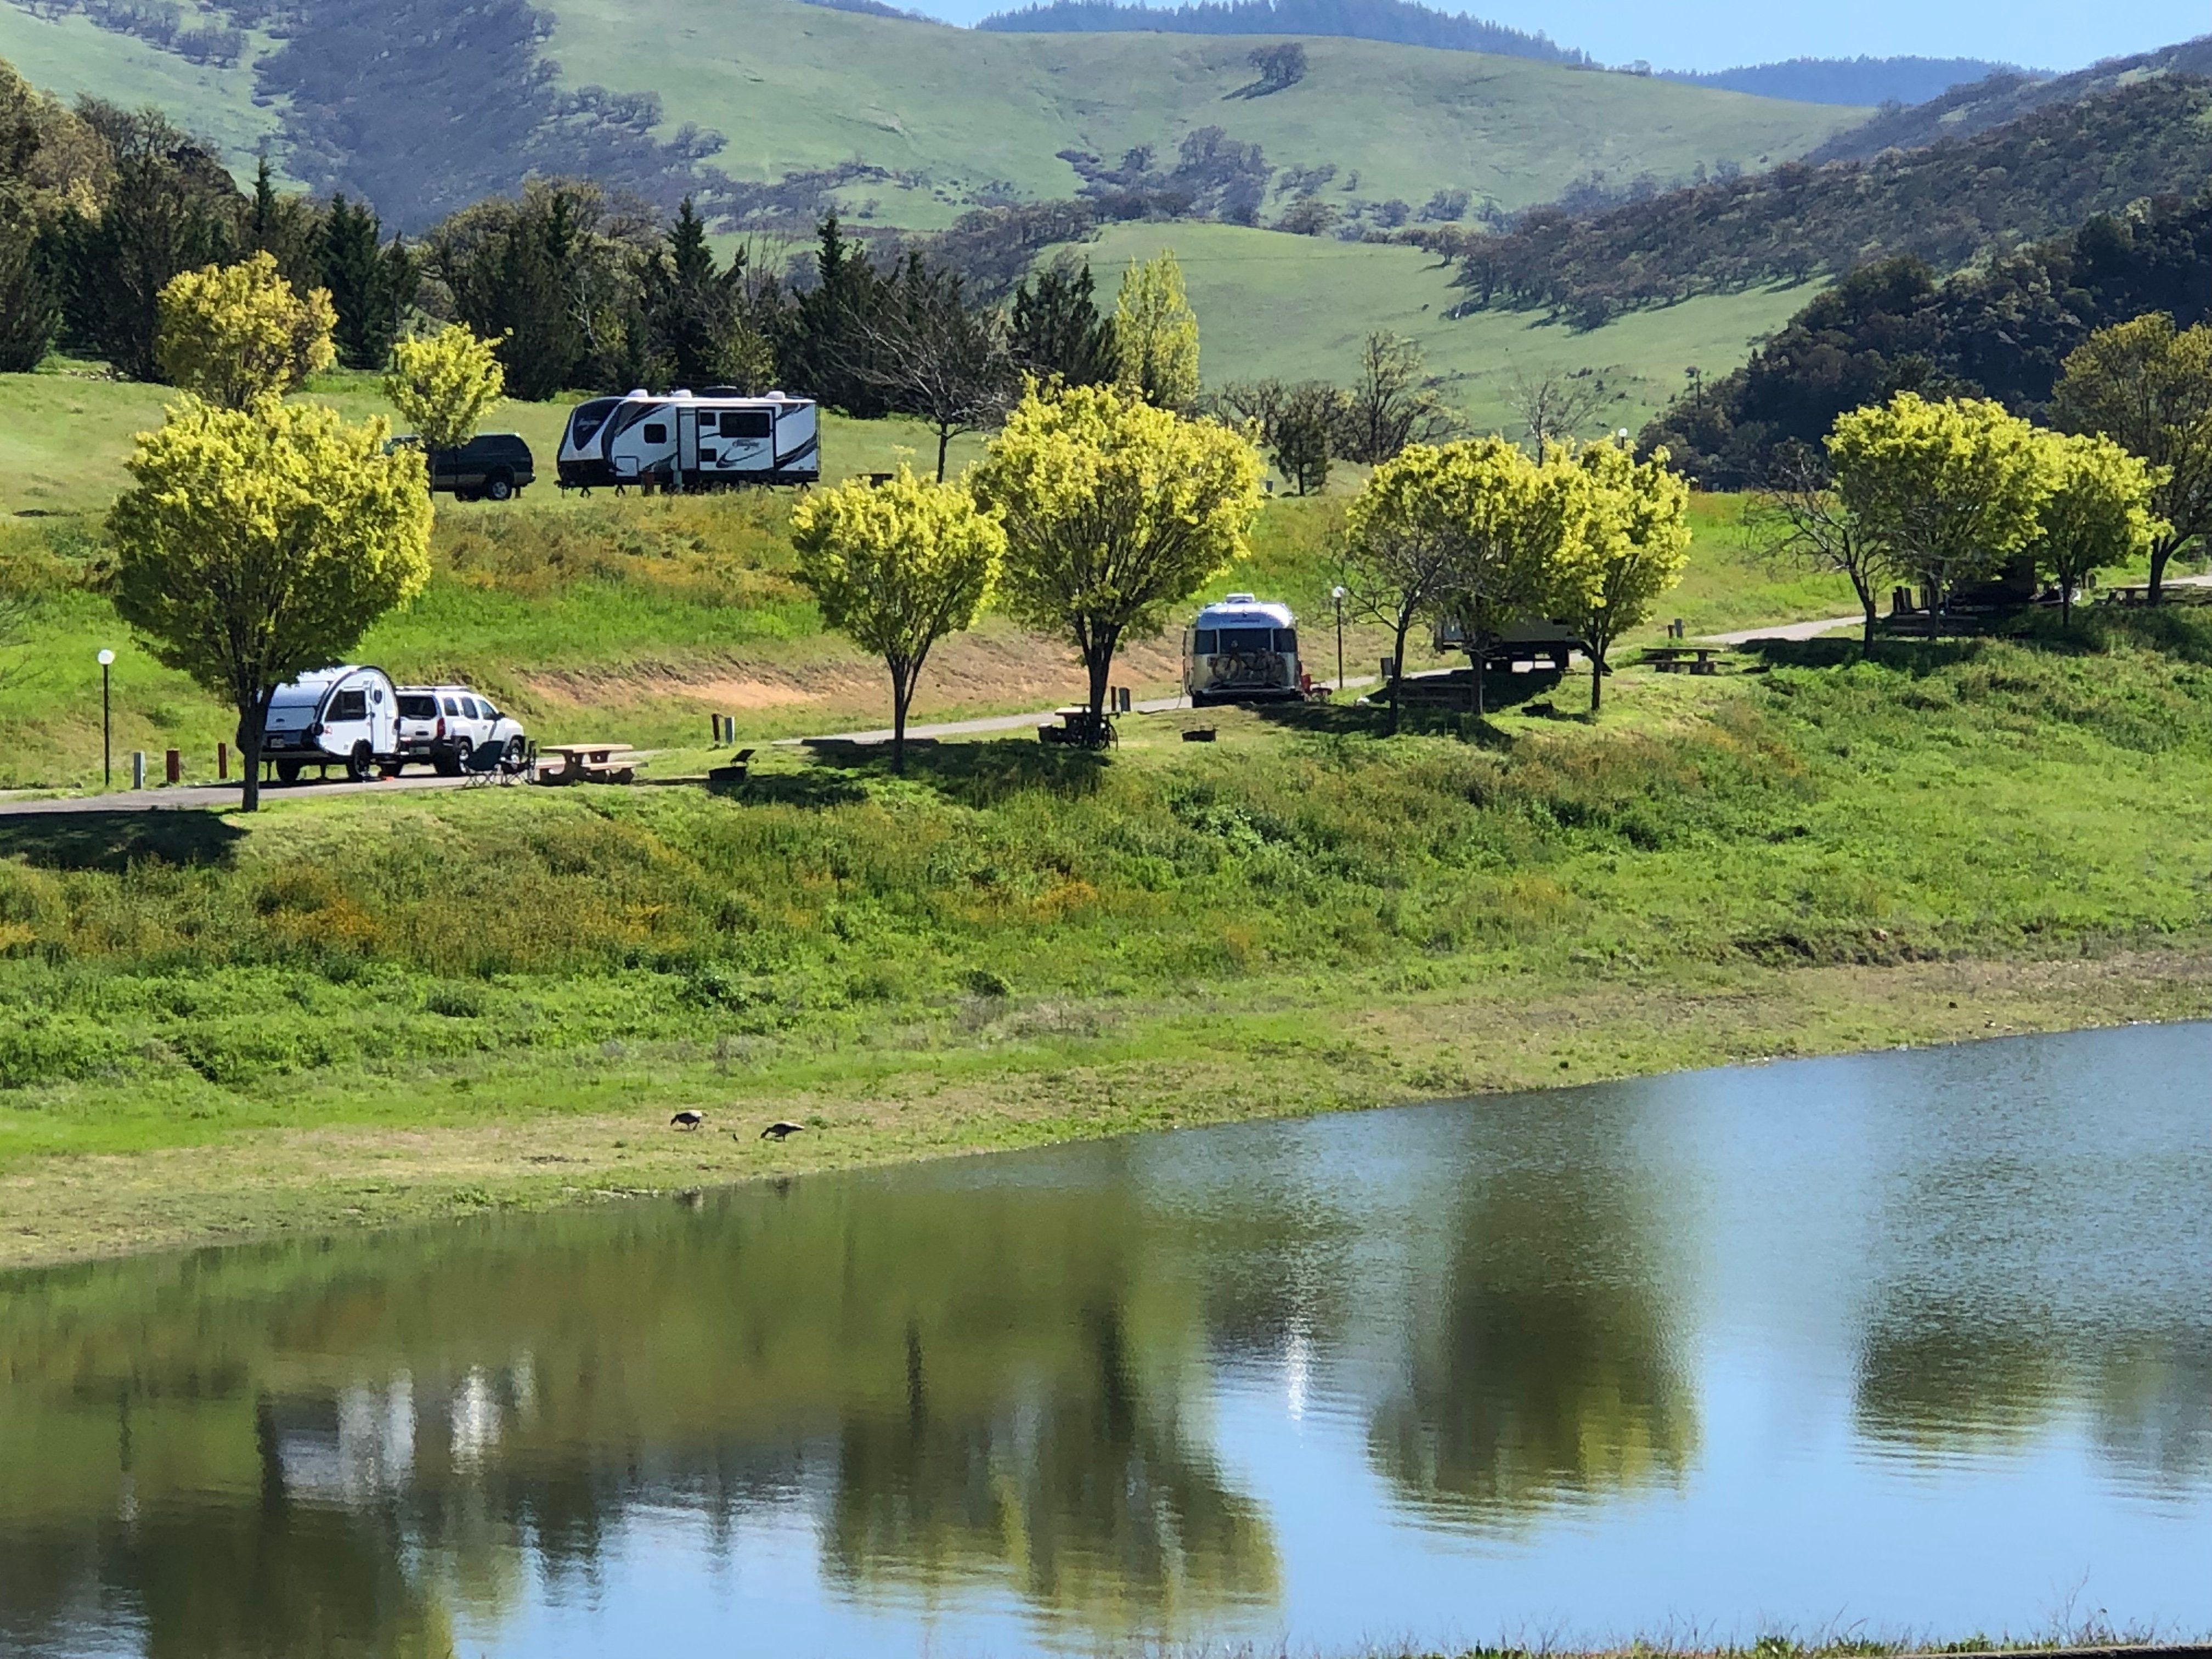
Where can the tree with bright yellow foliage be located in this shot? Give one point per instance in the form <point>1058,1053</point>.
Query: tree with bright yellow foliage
<point>1114,510</point>
<point>1155,334</point>
<point>897,567</point>
<point>1949,489</point>
<point>231,334</point>
<point>1639,527</point>
<point>2098,514</point>
<point>442,384</point>
<point>260,542</point>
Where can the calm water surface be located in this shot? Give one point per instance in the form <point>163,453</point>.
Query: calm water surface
<point>1919,1341</point>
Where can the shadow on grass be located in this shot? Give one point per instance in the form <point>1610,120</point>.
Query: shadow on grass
<point>971,774</point>
<point>114,840</point>
<point>1501,693</point>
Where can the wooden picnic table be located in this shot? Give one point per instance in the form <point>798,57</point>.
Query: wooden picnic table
<point>588,762</point>
<point>1674,659</point>
<point>1080,729</point>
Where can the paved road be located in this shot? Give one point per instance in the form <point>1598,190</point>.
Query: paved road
<point>211,797</point>
<point>1008,722</point>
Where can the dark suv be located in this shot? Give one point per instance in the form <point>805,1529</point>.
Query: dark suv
<point>492,464</point>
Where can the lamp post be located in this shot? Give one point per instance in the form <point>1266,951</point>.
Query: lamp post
<point>1337,593</point>
<point>106,725</point>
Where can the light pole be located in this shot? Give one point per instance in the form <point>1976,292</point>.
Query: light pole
<point>106,725</point>
<point>1337,593</point>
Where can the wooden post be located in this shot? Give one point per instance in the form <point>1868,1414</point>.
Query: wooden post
<point>222,762</point>
<point>173,767</point>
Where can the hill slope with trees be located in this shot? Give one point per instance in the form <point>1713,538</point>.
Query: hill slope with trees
<point>770,112</point>
<point>1947,204</point>
<point>1401,21</point>
<point>1863,81</point>
<point>2003,332</point>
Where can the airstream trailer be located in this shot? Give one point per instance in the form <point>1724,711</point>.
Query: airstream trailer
<point>1241,650</point>
<point>346,716</point>
<point>686,440</point>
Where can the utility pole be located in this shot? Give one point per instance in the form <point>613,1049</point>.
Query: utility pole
<point>1337,593</point>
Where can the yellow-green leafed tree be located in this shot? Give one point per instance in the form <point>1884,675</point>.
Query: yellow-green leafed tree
<point>230,334</point>
<point>1950,489</point>
<point>1640,534</point>
<point>1155,334</point>
<point>1114,510</point>
<point>2098,514</point>
<point>897,566</point>
<point>2148,385</point>
<point>259,543</point>
<point>1512,537</point>
<point>443,383</point>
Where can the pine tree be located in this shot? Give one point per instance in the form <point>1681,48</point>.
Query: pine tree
<point>1056,329</point>
<point>369,285</point>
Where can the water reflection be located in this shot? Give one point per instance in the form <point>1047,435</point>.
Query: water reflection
<point>1226,1384</point>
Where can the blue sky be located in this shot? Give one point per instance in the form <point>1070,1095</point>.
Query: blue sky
<point>1706,34</point>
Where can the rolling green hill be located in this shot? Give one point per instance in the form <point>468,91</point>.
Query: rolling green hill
<point>1297,308</point>
<point>923,120</point>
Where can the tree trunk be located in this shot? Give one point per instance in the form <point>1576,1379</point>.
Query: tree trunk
<point>1398,666</point>
<point>2066,604</point>
<point>1865,589</point>
<point>250,724</point>
<point>1481,672</point>
<point>2158,555</point>
<point>1098,659</point>
<point>901,694</point>
<point>944,442</point>
<point>1597,678</point>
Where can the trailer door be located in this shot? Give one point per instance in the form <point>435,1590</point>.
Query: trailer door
<point>687,444</point>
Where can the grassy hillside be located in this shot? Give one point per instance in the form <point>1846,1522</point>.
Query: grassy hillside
<point>799,87</point>
<point>961,116</point>
<point>450,993</point>
<point>1298,307</point>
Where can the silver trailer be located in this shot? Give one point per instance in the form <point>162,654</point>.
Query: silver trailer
<point>685,440</point>
<point>1242,650</point>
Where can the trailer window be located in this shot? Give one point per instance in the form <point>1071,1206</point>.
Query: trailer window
<point>348,706</point>
<point>1286,639</point>
<point>656,432</point>
<point>1201,642</point>
<point>1236,641</point>
<point>747,423</point>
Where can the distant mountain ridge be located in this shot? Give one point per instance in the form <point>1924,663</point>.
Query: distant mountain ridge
<point>1862,82</point>
<point>1401,23</point>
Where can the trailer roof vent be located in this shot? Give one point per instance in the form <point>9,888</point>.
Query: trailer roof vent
<point>1241,598</point>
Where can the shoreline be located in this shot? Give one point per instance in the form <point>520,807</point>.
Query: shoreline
<point>518,1137</point>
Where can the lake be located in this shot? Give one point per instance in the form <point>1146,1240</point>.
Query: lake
<point>1906,1343</point>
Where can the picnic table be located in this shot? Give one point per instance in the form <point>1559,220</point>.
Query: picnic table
<point>1080,728</point>
<point>2126,593</point>
<point>1674,659</point>
<point>587,763</point>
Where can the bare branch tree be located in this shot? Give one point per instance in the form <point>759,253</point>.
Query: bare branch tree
<point>934,356</point>
<point>1555,407</point>
<point>1800,516</point>
<point>1390,404</point>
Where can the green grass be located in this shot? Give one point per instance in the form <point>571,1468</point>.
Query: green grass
<point>169,978</point>
<point>1298,307</point>
<point>797,87</point>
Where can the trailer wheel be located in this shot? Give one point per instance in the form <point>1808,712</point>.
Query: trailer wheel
<point>360,762</point>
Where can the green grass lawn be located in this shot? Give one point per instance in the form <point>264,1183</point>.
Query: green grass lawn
<point>465,958</point>
<point>1298,307</point>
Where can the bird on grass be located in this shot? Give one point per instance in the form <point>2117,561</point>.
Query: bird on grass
<point>777,1131</point>
<point>687,1118</point>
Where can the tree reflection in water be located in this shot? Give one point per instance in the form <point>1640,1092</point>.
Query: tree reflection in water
<point>347,1447</point>
<point>1547,1370</point>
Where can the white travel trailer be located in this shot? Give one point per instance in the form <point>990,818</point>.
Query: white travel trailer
<point>685,440</point>
<point>346,716</point>
<point>1241,650</point>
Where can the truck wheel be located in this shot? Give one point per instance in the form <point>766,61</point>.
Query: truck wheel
<point>501,487</point>
<point>360,762</point>
<point>287,771</point>
<point>518,751</point>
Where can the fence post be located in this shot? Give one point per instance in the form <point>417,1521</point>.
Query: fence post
<point>137,768</point>
<point>173,767</point>
<point>222,763</point>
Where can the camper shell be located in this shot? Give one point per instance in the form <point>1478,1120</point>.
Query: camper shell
<point>1244,649</point>
<point>345,716</point>
<point>687,440</point>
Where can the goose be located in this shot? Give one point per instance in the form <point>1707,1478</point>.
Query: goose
<point>687,1118</point>
<point>777,1131</point>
